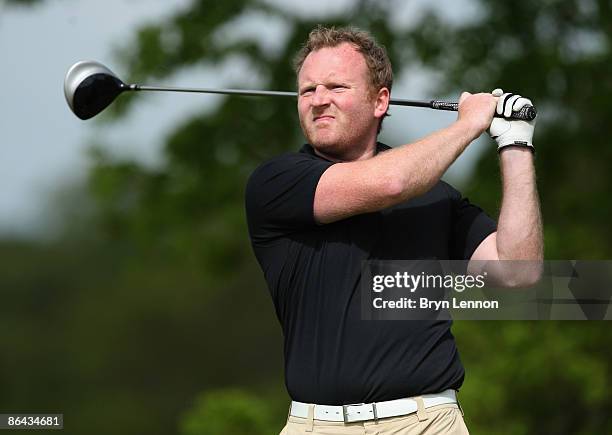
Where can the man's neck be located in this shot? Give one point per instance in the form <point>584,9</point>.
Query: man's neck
<point>351,156</point>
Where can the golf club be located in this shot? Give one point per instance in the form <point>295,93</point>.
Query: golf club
<point>90,87</point>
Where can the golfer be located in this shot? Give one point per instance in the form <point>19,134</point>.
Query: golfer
<point>316,214</point>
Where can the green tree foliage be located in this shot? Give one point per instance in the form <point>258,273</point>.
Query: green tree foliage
<point>228,412</point>
<point>121,339</point>
<point>22,2</point>
<point>558,54</point>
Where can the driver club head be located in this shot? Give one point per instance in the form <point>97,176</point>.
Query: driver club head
<point>90,87</point>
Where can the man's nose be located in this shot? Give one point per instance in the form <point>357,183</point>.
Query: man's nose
<point>321,96</point>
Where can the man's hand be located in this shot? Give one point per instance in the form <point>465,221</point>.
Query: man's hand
<point>513,132</point>
<point>476,112</point>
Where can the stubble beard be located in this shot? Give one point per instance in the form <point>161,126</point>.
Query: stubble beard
<point>344,143</point>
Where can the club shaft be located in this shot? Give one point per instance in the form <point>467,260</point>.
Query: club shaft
<point>251,93</point>
<point>526,113</point>
<point>243,92</point>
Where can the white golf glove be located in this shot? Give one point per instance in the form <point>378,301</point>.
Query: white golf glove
<point>511,132</point>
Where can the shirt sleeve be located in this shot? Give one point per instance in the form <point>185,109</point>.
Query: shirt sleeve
<point>470,226</point>
<point>280,193</point>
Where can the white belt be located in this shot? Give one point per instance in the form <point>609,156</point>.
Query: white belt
<point>371,411</point>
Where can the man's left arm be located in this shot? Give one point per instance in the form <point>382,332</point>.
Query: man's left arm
<point>519,228</point>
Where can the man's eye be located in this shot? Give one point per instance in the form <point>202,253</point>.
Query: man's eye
<point>307,91</point>
<point>338,87</point>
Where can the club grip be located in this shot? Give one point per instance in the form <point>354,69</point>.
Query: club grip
<point>527,113</point>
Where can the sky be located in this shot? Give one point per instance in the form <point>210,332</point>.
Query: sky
<point>43,146</point>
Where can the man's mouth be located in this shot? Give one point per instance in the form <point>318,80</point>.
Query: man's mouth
<point>323,118</point>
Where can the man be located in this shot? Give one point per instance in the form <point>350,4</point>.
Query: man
<point>315,215</point>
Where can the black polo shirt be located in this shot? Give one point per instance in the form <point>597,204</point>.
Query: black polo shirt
<point>313,274</point>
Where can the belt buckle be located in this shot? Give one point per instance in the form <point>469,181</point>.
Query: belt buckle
<point>345,412</point>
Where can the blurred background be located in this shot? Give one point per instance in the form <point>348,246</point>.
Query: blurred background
<point>130,300</point>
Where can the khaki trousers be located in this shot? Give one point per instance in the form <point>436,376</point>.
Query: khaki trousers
<point>437,420</point>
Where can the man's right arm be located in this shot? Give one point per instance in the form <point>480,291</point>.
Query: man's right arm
<point>391,177</point>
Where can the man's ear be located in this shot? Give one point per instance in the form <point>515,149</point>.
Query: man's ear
<point>382,102</point>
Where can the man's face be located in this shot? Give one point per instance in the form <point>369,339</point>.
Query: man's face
<point>335,103</point>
